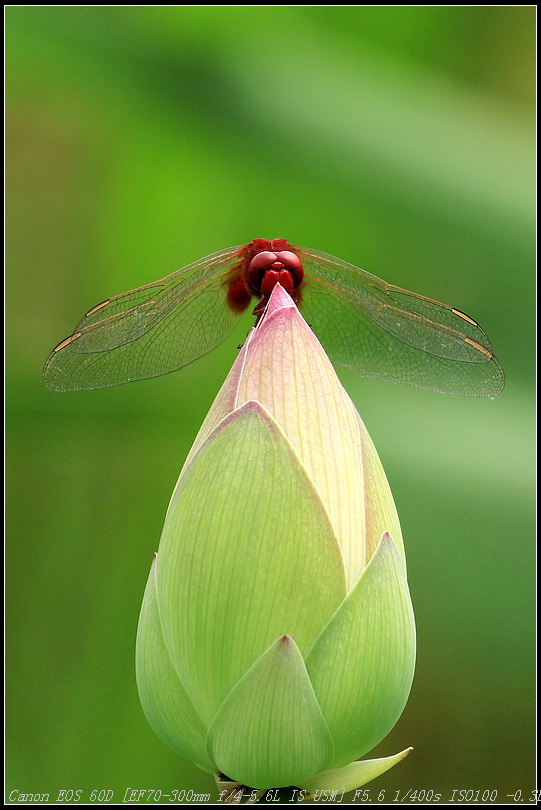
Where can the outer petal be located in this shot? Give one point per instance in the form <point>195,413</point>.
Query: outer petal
<point>353,775</point>
<point>246,541</point>
<point>362,664</point>
<point>166,704</point>
<point>269,731</point>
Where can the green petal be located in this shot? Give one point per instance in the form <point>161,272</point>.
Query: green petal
<point>269,731</point>
<point>352,776</point>
<point>247,554</point>
<point>362,664</point>
<point>166,704</point>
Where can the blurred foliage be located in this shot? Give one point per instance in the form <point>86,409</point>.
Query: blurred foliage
<point>141,138</point>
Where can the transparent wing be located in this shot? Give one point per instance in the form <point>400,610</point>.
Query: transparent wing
<point>378,330</point>
<point>149,331</point>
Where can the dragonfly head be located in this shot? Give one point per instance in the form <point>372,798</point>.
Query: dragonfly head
<point>272,263</point>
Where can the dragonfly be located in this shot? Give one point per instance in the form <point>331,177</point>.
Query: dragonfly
<point>366,325</point>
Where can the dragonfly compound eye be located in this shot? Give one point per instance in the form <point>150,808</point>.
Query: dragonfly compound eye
<point>260,264</point>
<point>263,261</point>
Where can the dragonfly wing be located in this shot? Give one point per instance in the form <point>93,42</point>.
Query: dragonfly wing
<point>430,326</point>
<point>381,331</point>
<point>149,331</point>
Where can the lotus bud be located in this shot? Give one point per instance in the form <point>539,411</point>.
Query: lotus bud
<point>276,641</point>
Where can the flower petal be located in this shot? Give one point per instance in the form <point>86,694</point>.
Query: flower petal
<point>270,732</point>
<point>362,664</point>
<point>166,704</point>
<point>379,507</point>
<point>286,369</point>
<point>240,555</point>
<point>352,776</point>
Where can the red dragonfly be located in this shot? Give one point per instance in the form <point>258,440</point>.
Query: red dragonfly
<point>366,325</point>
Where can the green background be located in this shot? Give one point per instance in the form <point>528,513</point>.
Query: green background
<point>140,139</point>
